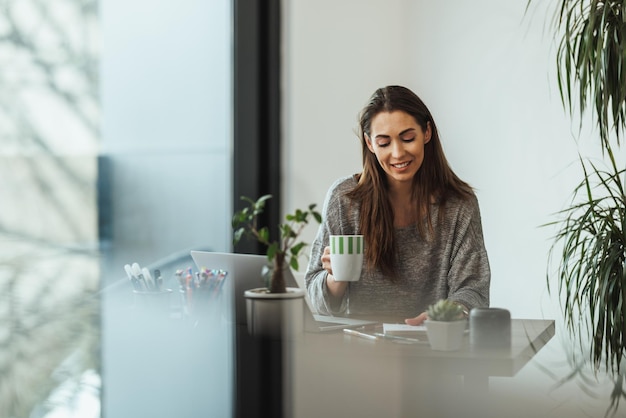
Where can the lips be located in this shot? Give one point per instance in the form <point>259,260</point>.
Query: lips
<point>401,165</point>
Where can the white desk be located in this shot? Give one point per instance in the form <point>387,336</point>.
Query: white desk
<point>162,368</point>
<point>340,375</point>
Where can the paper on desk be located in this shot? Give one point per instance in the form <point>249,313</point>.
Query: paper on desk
<point>391,328</point>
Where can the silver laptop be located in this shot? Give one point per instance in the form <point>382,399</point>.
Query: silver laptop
<point>244,273</point>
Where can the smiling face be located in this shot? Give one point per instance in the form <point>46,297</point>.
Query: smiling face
<point>398,143</point>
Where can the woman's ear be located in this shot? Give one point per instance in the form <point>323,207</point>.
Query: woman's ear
<point>369,143</point>
<point>428,132</point>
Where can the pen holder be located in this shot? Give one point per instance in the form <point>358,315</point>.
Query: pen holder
<point>158,301</point>
<point>199,303</point>
<point>202,299</point>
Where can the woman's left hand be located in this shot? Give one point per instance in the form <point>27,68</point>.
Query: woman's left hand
<point>418,320</point>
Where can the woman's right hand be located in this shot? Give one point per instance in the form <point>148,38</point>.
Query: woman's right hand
<point>326,261</point>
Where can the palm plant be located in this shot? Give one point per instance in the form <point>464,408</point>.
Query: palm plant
<point>591,277</point>
<point>591,54</point>
<point>591,271</point>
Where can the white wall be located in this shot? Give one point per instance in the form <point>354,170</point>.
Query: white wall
<point>333,62</point>
<point>487,71</point>
<point>489,80</point>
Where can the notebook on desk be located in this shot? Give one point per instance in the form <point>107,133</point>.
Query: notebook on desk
<point>244,273</point>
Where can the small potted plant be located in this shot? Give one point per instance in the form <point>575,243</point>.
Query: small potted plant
<point>274,308</point>
<point>445,325</point>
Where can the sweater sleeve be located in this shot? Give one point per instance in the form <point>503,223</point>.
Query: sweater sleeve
<point>335,220</point>
<point>469,275</point>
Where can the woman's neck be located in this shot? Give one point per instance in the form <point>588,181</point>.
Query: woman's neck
<point>405,210</point>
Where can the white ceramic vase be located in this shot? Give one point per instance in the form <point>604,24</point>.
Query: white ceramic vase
<point>278,315</point>
<point>445,336</point>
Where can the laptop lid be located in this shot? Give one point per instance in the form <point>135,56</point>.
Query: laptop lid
<point>244,273</point>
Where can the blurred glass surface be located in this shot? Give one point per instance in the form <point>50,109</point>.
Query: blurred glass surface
<point>49,131</point>
<point>114,149</point>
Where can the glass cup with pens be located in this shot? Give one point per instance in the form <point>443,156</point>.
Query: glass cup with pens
<point>200,291</point>
<point>346,259</point>
<point>149,293</point>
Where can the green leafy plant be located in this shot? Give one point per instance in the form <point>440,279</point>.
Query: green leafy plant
<point>286,249</point>
<point>445,310</point>
<point>591,269</point>
<point>590,60</point>
<point>591,72</point>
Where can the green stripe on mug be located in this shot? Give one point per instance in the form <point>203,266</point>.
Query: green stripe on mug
<point>348,244</point>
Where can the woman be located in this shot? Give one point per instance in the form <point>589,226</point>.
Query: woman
<point>421,223</point>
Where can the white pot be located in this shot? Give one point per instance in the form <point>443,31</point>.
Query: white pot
<point>275,314</point>
<point>445,336</point>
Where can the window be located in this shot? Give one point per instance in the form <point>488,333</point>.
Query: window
<point>115,125</point>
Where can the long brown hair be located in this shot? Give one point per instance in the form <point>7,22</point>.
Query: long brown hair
<point>434,182</point>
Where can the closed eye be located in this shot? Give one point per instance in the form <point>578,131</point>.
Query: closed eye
<point>383,141</point>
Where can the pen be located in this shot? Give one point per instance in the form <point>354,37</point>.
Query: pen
<point>134,281</point>
<point>360,334</point>
<point>148,277</point>
<point>136,269</point>
<point>397,338</point>
<point>158,279</point>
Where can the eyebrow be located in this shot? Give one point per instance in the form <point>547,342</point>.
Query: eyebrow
<point>401,133</point>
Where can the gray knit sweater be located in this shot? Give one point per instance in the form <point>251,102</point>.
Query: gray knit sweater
<point>452,263</point>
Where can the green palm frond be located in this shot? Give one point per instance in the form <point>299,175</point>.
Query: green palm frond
<point>590,244</point>
<point>591,61</point>
<point>592,263</point>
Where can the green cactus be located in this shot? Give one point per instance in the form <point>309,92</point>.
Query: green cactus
<point>445,310</point>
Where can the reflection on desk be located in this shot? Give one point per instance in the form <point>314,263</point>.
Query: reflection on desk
<point>163,367</point>
<point>159,364</point>
<point>359,377</point>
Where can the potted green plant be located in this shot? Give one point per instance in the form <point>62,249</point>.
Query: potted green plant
<point>445,325</point>
<point>590,242</point>
<point>274,308</point>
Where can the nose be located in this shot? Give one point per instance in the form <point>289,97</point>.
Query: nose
<point>397,149</point>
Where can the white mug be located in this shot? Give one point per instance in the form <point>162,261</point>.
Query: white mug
<point>346,257</point>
